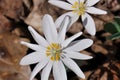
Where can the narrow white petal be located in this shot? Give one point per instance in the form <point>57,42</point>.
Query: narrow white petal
<point>94,10</point>
<point>46,71</point>
<point>61,4</point>
<point>81,45</point>
<point>34,46</point>
<point>91,2</point>
<point>69,40</point>
<point>72,1</point>
<point>82,0</point>
<point>74,18</point>
<point>63,28</point>
<point>73,66</point>
<point>59,71</point>
<point>49,28</point>
<point>38,38</point>
<point>38,67</point>
<point>72,43</point>
<point>32,58</point>
<point>77,55</point>
<point>89,24</point>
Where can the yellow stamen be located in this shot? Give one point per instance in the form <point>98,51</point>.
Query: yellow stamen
<point>79,8</point>
<point>52,58</point>
<point>54,51</point>
<point>75,5</point>
<point>48,48</point>
<point>57,57</point>
<point>47,53</point>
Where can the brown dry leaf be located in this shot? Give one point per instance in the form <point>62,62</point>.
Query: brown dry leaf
<point>10,12</point>
<point>11,8</point>
<point>40,7</point>
<point>11,52</point>
<point>99,49</point>
<point>109,70</point>
<point>76,27</point>
<point>113,5</point>
<point>86,52</point>
<point>5,24</point>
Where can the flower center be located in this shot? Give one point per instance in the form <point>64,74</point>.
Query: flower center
<point>79,8</point>
<point>54,51</point>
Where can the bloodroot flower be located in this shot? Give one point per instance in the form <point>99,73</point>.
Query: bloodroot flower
<point>79,8</point>
<point>54,51</point>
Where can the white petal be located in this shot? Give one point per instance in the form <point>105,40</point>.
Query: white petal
<point>74,18</point>
<point>62,30</point>
<point>89,24</point>
<point>72,43</point>
<point>59,71</point>
<point>46,71</point>
<point>81,45</point>
<point>32,58</point>
<point>61,4</point>
<point>69,40</point>
<point>94,10</point>
<point>34,46</point>
<point>82,0</point>
<point>72,1</point>
<point>38,38</point>
<point>91,2</point>
<point>77,55</point>
<point>38,67</point>
<point>74,67</point>
<point>49,28</point>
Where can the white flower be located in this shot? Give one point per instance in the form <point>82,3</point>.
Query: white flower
<point>79,8</point>
<point>55,51</point>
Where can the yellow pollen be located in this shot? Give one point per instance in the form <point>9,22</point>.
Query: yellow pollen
<point>54,51</point>
<point>79,8</point>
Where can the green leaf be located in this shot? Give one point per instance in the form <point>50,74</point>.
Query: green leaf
<point>117,20</point>
<point>111,28</point>
<point>114,36</point>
